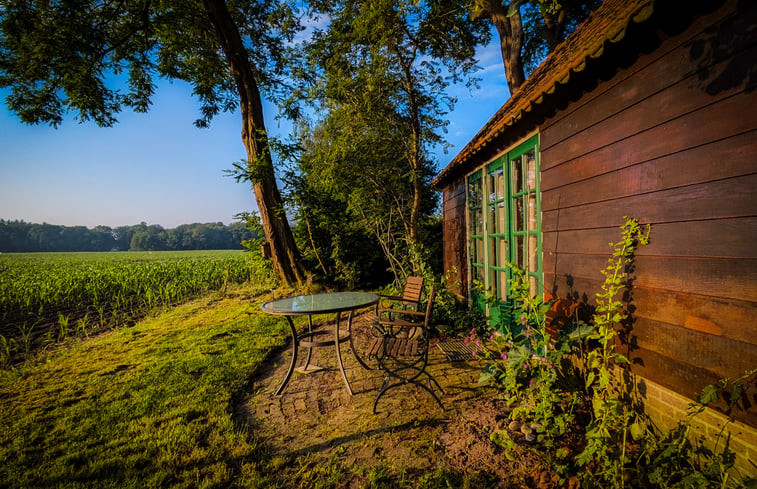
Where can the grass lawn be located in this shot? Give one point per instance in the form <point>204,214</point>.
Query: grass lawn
<point>144,406</point>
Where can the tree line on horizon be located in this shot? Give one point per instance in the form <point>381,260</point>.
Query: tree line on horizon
<point>22,237</point>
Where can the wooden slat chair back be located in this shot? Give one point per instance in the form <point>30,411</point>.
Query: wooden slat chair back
<point>410,298</point>
<point>401,350</point>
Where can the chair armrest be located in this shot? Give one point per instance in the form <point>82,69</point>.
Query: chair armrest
<point>404,312</point>
<point>401,324</point>
<point>392,297</point>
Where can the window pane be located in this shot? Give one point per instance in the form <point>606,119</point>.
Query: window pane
<point>530,159</point>
<point>476,221</point>
<point>493,252</point>
<point>475,193</point>
<point>533,263</point>
<point>493,284</point>
<point>531,212</point>
<point>518,255</point>
<point>503,289</point>
<point>517,175</point>
<point>501,183</point>
<point>479,244</point>
<point>492,186</point>
<point>534,288</point>
<point>501,218</point>
<point>502,258</point>
<point>518,214</point>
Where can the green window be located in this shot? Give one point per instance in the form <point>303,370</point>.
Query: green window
<point>504,207</point>
<point>475,199</point>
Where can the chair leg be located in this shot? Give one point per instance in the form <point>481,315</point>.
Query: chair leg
<point>386,386</point>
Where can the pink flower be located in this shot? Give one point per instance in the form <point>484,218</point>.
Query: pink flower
<point>531,383</point>
<point>503,355</point>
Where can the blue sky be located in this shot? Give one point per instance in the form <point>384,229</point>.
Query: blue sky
<point>158,167</point>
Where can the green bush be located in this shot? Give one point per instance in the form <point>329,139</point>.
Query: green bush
<point>579,384</point>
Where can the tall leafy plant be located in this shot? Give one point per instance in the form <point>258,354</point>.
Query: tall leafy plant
<point>615,409</point>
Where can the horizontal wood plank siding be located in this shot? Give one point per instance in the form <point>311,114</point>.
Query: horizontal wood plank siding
<point>672,141</point>
<point>455,248</point>
<point>652,73</point>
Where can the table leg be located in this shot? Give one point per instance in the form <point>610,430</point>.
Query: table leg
<point>339,352</point>
<point>310,349</point>
<point>295,345</point>
<point>352,345</point>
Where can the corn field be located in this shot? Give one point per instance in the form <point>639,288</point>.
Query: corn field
<point>48,297</point>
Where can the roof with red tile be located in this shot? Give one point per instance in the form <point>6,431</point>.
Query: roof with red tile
<point>606,25</point>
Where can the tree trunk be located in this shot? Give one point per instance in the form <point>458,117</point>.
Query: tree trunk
<point>554,28</point>
<point>278,234</point>
<point>415,152</point>
<point>510,31</point>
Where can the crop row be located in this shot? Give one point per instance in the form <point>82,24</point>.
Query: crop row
<point>37,291</point>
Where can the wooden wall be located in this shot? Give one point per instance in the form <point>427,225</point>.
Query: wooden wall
<point>672,141</point>
<point>455,245</point>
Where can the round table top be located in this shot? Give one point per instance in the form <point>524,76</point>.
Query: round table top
<point>320,303</point>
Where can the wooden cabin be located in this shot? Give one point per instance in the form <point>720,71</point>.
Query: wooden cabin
<point>648,110</point>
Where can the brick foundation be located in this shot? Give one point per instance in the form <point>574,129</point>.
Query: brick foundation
<point>666,408</point>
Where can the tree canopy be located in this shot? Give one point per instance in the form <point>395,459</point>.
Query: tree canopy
<point>94,59</point>
<point>380,72</point>
<point>530,29</point>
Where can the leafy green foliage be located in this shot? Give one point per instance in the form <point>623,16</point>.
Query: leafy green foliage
<point>70,293</point>
<point>378,73</point>
<point>546,23</point>
<point>96,58</point>
<point>578,384</point>
<point>522,363</point>
<point>616,409</point>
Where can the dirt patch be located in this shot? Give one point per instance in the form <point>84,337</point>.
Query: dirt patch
<point>316,423</point>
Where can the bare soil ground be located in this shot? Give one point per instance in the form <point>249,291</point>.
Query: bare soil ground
<point>317,420</point>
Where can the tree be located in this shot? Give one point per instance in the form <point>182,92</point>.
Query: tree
<point>530,29</point>
<point>510,30</point>
<point>388,62</point>
<point>353,196</point>
<point>60,56</point>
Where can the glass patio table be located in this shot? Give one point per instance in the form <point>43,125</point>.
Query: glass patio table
<point>309,305</point>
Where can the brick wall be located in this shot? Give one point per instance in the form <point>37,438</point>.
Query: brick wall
<point>666,408</point>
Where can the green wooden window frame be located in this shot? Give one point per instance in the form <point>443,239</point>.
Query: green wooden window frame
<point>475,201</point>
<point>505,197</point>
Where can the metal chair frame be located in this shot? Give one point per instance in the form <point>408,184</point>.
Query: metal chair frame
<point>403,354</point>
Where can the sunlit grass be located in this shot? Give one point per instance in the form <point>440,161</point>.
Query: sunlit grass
<point>146,406</point>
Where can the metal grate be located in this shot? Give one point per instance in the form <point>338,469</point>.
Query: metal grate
<point>457,349</point>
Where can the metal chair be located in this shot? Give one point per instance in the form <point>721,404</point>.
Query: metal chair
<point>401,350</point>
<point>410,298</point>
